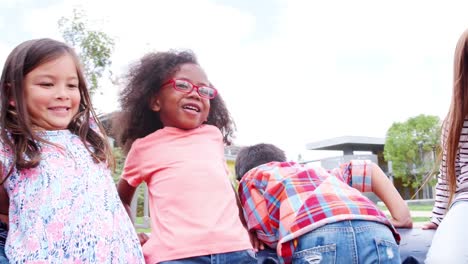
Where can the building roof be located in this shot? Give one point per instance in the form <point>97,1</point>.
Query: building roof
<point>348,142</point>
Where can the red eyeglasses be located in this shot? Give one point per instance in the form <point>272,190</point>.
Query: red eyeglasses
<point>185,86</point>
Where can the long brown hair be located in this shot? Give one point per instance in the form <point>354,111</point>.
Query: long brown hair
<point>453,123</point>
<point>16,130</point>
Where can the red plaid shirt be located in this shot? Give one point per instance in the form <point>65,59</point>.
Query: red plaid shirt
<point>282,201</point>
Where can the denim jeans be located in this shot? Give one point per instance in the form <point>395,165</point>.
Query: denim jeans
<point>3,235</point>
<point>449,242</point>
<point>3,258</point>
<point>236,257</point>
<point>348,242</point>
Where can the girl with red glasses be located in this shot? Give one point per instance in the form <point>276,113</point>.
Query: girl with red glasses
<point>174,125</point>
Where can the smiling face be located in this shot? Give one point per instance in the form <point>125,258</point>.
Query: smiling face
<point>183,110</point>
<point>52,95</point>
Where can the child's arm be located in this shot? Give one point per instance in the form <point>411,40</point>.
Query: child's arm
<point>126,192</point>
<point>387,192</point>
<point>256,243</point>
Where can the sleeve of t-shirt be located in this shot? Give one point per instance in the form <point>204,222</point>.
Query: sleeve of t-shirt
<point>132,168</point>
<point>441,189</point>
<point>357,174</point>
<point>251,189</point>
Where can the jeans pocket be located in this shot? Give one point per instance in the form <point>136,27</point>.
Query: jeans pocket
<point>387,251</point>
<point>321,254</point>
<point>248,257</point>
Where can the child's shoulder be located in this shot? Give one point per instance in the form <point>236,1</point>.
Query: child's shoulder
<point>274,167</point>
<point>5,150</point>
<point>280,165</point>
<point>174,131</point>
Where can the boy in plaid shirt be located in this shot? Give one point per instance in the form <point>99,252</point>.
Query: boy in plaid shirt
<point>312,215</point>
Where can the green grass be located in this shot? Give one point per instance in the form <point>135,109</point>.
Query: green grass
<point>415,218</point>
<point>413,207</point>
<point>421,207</point>
<point>139,220</point>
<point>426,208</point>
<point>420,219</point>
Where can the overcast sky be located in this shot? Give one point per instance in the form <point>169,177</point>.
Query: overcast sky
<point>290,71</point>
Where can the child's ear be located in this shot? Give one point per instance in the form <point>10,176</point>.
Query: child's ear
<point>155,104</point>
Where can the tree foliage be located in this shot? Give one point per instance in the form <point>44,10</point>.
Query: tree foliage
<point>119,163</point>
<point>93,47</point>
<point>411,147</point>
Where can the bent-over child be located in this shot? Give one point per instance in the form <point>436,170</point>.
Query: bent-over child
<point>312,214</point>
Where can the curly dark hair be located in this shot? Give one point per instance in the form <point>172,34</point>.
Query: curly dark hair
<point>256,155</point>
<point>145,78</point>
<point>17,132</point>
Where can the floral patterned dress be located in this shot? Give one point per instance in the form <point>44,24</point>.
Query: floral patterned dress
<point>66,210</point>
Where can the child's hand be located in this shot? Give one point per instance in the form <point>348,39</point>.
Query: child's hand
<point>404,223</point>
<point>143,238</point>
<point>256,243</point>
<point>429,225</point>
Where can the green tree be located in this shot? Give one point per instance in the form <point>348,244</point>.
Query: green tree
<point>94,47</point>
<point>411,147</point>
<point>119,163</point>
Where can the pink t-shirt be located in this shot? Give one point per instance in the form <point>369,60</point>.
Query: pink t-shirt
<point>192,204</point>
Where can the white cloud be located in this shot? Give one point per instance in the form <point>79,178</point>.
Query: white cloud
<point>4,51</point>
<point>332,99</point>
<point>2,23</point>
<point>331,68</point>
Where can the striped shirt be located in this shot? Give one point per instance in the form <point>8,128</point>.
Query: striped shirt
<point>461,171</point>
<point>284,200</point>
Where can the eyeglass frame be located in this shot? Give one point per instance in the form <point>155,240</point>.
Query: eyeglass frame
<point>173,82</point>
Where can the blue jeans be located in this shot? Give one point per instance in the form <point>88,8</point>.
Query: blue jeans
<point>349,242</point>
<point>3,258</point>
<point>3,235</point>
<point>236,257</point>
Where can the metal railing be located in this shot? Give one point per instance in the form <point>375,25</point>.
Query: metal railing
<point>134,206</point>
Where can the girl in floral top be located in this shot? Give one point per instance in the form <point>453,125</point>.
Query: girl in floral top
<point>63,206</point>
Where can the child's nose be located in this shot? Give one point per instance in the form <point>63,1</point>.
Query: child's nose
<point>194,94</point>
<point>62,92</point>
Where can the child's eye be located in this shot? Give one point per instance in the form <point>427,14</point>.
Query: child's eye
<point>183,85</point>
<point>73,86</point>
<point>46,84</point>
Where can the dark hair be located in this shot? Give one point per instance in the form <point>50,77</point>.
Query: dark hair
<point>145,78</point>
<point>256,155</point>
<point>453,123</point>
<point>16,125</point>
